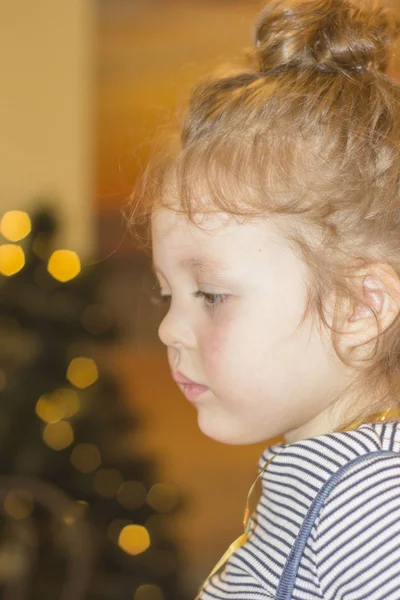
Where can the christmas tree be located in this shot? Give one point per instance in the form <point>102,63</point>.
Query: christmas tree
<point>82,518</point>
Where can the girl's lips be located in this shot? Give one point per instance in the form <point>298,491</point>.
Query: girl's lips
<point>180,378</point>
<point>192,390</point>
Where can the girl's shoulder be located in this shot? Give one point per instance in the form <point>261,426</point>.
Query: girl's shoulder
<point>358,527</point>
<point>330,451</point>
<point>350,551</point>
<point>300,470</point>
<point>357,534</point>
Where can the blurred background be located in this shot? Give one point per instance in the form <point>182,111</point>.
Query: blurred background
<point>107,488</point>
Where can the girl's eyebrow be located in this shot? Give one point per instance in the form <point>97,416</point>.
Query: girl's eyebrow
<point>205,264</point>
<point>200,265</point>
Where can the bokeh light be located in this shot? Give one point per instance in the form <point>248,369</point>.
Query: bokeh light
<point>12,259</point>
<point>77,510</point>
<point>134,539</point>
<point>86,458</point>
<point>163,497</point>
<point>64,265</point>
<point>149,592</point>
<point>15,225</point>
<point>48,410</point>
<point>82,372</point>
<point>61,404</point>
<point>18,504</point>
<point>58,436</point>
<point>68,400</point>
<point>106,482</point>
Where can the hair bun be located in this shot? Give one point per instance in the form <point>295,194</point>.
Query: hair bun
<point>328,35</point>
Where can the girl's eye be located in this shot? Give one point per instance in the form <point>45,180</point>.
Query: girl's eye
<point>211,300</point>
<point>160,299</point>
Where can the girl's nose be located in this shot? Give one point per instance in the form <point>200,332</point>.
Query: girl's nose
<point>175,330</point>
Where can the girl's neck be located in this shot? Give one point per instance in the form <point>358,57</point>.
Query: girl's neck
<point>321,425</point>
<point>389,414</point>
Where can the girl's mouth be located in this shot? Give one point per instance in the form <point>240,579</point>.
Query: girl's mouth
<point>192,390</point>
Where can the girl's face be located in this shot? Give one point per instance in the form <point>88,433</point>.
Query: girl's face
<point>237,293</point>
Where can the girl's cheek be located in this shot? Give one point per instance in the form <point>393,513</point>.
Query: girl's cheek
<point>213,343</point>
<point>218,339</point>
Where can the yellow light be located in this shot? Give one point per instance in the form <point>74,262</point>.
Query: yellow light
<point>19,504</point>
<point>132,494</point>
<point>48,410</point>
<point>68,400</point>
<point>76,510</point>
<point>62,404</point>
<point>162,497</point>
<point>64,265</point>
<point>15,225</point>
<point>134,539</point>
<point>106,482</point>
<point>82,372</point>
<point>12,259</point>
<point>86,458</point>
<point>149,592</point>
<point>58,435</point>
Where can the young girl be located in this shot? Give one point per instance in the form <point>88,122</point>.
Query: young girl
<point>276,239</point>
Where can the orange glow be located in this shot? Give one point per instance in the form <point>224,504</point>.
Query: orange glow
<point>134,539</point>
<point>15,225</point>
<point>12,259</point>
<point>64,265</point>
<point>82,372</point>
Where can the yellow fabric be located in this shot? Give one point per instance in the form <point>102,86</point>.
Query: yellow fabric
<point>232,548</point>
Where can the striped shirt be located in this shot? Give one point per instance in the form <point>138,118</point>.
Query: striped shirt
<point>353,552</point>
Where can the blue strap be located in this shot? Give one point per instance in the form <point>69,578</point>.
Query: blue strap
<point>287,581</point>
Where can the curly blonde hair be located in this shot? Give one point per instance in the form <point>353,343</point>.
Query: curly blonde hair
<point>307,133</point>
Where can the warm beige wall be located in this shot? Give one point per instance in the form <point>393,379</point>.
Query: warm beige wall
<point>46,67</point>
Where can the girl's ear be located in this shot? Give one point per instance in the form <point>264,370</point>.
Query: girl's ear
<point>379,287</point>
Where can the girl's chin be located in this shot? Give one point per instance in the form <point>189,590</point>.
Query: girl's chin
<point>219,430</point>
